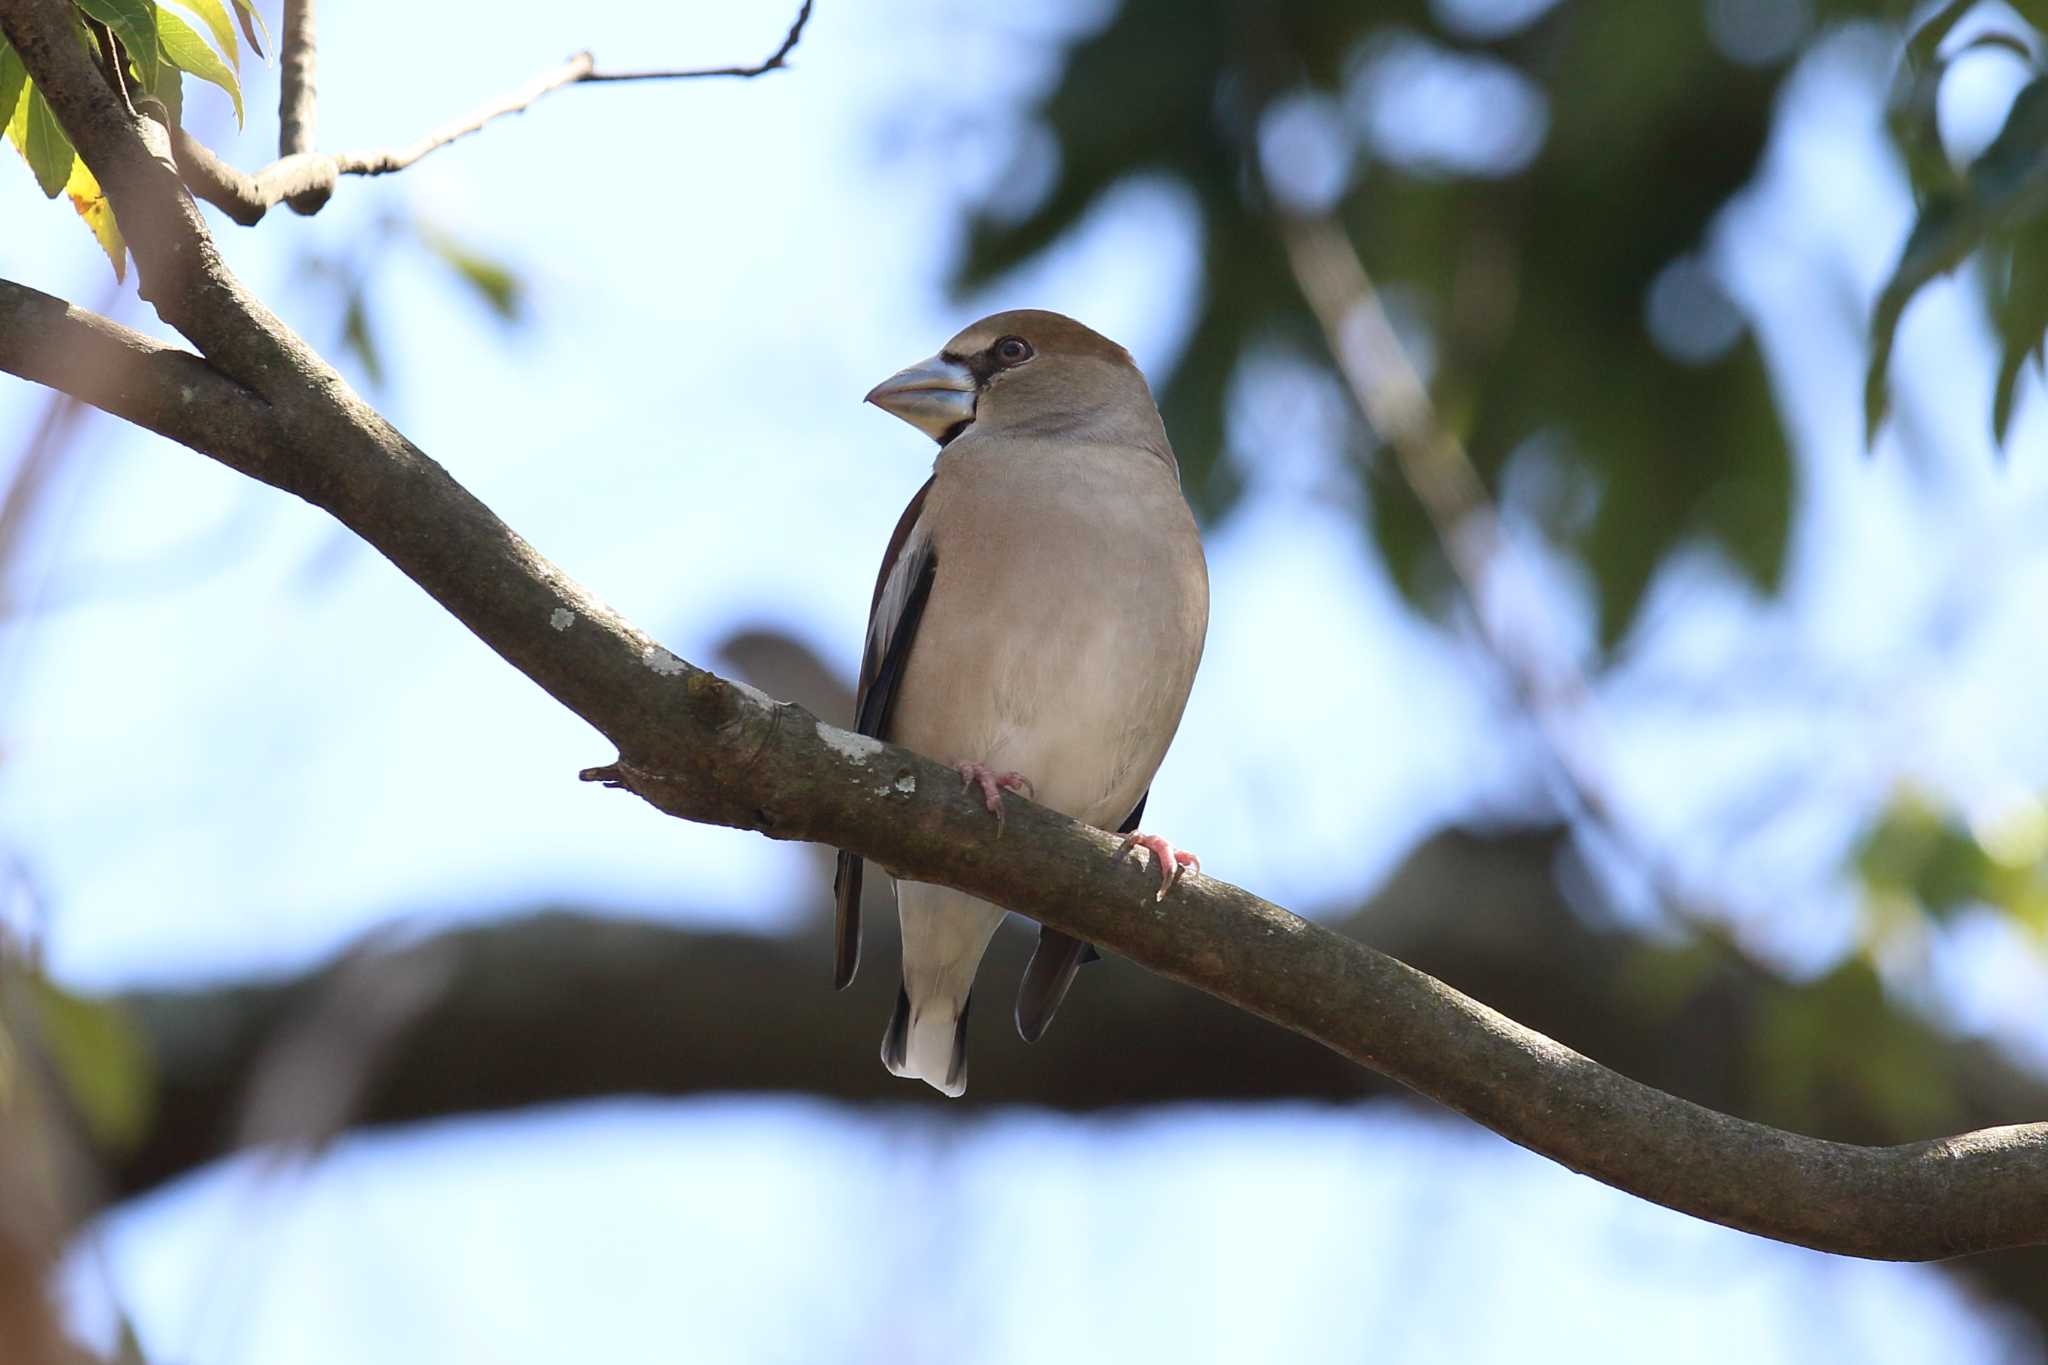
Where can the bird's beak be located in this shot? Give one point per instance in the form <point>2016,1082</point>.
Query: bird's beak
<point>934,395</point>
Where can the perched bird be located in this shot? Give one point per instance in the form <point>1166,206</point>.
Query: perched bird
<point>1037,622</point>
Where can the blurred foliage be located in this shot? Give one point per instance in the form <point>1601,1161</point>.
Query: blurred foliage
<point>1531,278</point>
<point>100,1059</point>
<point>1995,209</point>
<point>1840,1036</point>
<point>492,282</point>
<point>1919,859</point>
<point>353,275</point>
<point>88,1048</point>
<point>1833,1054</point>
<point>1530,285</point>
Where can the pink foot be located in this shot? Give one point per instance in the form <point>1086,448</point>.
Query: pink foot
<point>1172,862</point>
<point>993,784</point>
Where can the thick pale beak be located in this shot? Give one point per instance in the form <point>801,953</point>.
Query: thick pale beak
<point>934,395</point>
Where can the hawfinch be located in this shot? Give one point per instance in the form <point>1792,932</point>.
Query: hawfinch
<point>1037,622</point>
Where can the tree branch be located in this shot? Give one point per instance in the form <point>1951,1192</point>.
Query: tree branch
<point>566,1004</point>
<point>774,61</point>
<point>119,370</point>
<point>297,99</point>
<point>702,748</point>
<point>304,178</point>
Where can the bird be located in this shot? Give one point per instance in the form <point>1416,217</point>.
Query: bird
<point>1037,622</point>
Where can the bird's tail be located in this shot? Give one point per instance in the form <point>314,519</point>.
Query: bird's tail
<point>944,936</point>
<point>929,1043</point>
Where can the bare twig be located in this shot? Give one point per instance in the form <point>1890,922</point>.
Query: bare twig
<point>1376,368</point>
<point>304,178</point>
<point>296,91</point>
<point>297,97</point>
<point>775,60</point>
<point>110,62</point>
<point>1434,463</point>
<point>31,475</point>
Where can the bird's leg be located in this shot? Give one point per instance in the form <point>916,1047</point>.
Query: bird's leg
<point>1172,862</point>
<point>993,784</point>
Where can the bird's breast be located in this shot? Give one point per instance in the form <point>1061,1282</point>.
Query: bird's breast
<point>1064,626</point>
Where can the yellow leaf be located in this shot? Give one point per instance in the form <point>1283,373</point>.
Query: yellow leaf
<point>91,203</point>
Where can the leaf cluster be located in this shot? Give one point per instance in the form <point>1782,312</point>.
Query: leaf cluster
<point>154,47</point>
<point>1994,209</point>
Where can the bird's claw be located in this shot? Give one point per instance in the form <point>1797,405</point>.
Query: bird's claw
<point>1172,862</point>
<point>993,784</point>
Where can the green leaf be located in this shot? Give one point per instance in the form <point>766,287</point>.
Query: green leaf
<point>502,291</point>
<point>2019,309</point>
<point>215,16</point>
<point>13,78</point>
<point>1912,111</point>
<point>2016,161</point>
<point>252,24</point>
<point>1920,48</point>
<point>38,136</point>
<point>170,89</point>
<point>1912,115</point>
<point>2006,188</point>
<point>1919,851</point>
<point>2007,42</point>
<point>358,338</point>
<point>102,1061</point>
<point>1939,240</point>
<point>186,50</point>
<point>134,23</point>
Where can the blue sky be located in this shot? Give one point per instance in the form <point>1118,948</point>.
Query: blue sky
<point>213,729</point>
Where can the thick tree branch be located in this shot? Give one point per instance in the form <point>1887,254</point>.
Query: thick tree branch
<point>705,749</point>
<point>563,1005</point>
<point>119,370</point>
<point>305,178</point>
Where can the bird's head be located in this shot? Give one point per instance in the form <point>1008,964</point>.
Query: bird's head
<point>1023,372</point>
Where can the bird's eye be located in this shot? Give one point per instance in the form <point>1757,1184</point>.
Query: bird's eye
<point>1013,350</point>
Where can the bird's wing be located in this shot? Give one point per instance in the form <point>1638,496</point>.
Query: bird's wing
<point>1053,963</point>
<point>901,590</point>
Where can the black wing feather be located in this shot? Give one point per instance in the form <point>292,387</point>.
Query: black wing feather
<point>1054,962</point>
<point>881,679</point>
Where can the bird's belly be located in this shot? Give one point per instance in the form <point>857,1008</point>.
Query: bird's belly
<point>1070,683</point>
